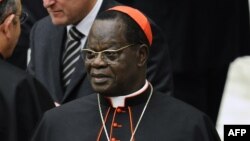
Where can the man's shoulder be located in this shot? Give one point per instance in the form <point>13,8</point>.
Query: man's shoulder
<point>44,24</point>
<point>11,72</point>
<point>45,20</point>
<point>171,104</point>
<point>84,104</point>
<point>14,80</point>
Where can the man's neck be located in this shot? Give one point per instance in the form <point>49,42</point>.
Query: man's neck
<point>119,101</point>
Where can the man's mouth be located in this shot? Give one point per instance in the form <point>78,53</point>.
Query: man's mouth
<point>99,78</point>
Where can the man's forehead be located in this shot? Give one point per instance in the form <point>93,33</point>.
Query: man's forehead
<point>108,24</point>
<point>107,31</point>
<point>103,44</point>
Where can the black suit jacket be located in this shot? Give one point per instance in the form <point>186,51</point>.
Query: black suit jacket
<point>22,102</point>
<point>47,42</point>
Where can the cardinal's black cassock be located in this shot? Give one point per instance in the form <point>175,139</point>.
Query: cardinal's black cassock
<point>145,115</point>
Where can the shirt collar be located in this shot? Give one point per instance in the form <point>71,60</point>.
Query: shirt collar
<point>85,24</point>
<point>129,99</point>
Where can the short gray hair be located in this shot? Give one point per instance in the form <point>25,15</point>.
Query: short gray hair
<point>7,7</point>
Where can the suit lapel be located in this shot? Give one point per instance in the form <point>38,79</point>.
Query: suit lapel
<point>57,45</point>
<point>77,77</point>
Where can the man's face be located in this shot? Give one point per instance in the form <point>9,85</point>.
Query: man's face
<point>65,12</point>
<point>111,76</point>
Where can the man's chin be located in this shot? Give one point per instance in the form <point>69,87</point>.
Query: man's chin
<point>100,88</point>
<point>59,22</point>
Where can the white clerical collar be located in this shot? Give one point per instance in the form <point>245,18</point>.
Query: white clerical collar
<point>85,24</point>
<point>119,101</point>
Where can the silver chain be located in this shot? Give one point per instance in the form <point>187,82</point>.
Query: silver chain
<point>143,111</point>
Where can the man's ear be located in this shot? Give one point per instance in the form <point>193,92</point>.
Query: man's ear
<point>7,25</point>
<point>142,54</point>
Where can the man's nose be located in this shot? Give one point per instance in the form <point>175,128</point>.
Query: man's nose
<point>48,3</point>
<point>99,60</point>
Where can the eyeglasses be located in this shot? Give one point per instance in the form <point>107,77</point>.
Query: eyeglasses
<point>109,56</point>
<point>23,17</point>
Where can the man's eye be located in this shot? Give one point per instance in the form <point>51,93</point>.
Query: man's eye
<point>89,54</point>
<point>111,55</point>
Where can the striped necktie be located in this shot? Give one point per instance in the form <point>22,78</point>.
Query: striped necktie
<point>71,55</point>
